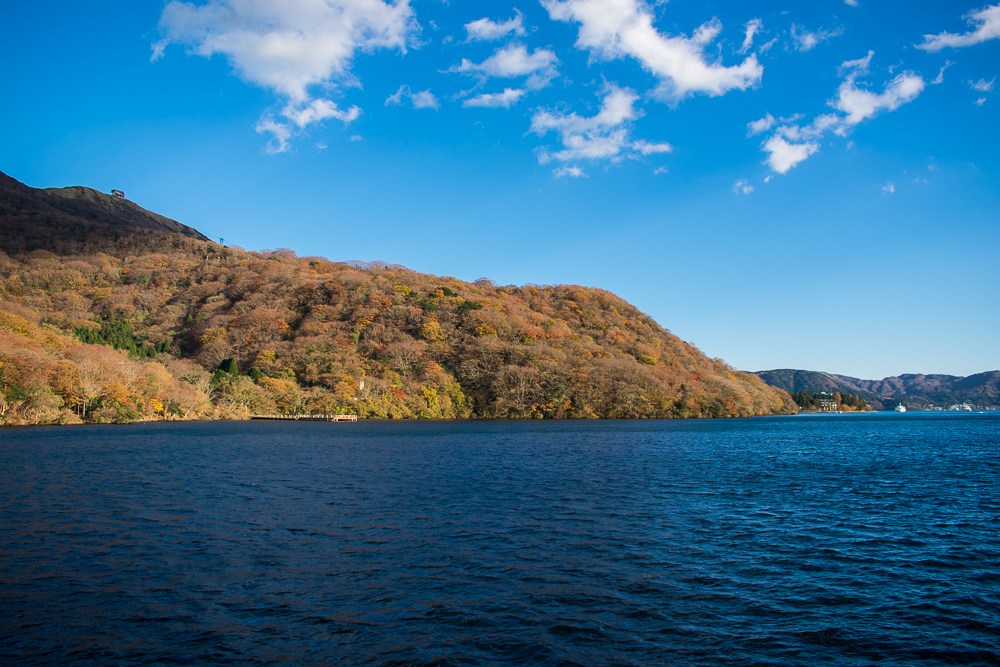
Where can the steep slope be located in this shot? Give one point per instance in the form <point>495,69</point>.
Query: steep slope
<point>274,332</point>
<point>71,220</point>
<point>124,210</point>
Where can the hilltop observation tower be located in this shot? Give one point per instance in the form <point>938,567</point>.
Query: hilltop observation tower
<point>118,194</point>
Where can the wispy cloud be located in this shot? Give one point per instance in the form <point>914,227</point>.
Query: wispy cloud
<point>603,136</point>
<point>423,99</point>
<point>752,28</point>
<point>860,104</point>
<point>888,189</point>
<point>514,61</point>
<point>575,172</point>
<point>805,40</point>
<point>624,28</point>
<point>764,124</point>
<point>940,77</point>
<point>791,143</point>
<point>742,186</point>
<point>980,102</point>
<point>486,30</point>
<point>291,48</point>
<point>983,85</point>
<point>987,22</point>
<point>506,99</point>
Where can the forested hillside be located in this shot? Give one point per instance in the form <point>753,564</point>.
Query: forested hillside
<point>103,320</point>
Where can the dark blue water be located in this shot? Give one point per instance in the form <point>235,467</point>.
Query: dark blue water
<point>834,540</point>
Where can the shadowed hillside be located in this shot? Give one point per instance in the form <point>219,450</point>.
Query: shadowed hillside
<point>73,220</point>
<point>107,319</point>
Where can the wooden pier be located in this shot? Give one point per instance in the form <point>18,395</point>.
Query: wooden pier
<point>309,418</point>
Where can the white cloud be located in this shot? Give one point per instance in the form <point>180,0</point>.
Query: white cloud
<point>987,22</point>
<point>280,133</point>
<point>424,99</point>
<point>506,99</point>
<point>742,186</point>
<point>514,61</point>
<point>805,40</point>
<point>851,3</point>
<point>356,137</point>
<point>888,189</point>
<point>320,146</point>
<point>983,85</point>
<point>784,155</point>
<point>752,28</point>
<point>575,172</point>
<point>299,117</point>
<point>940,77</point>
<point>859,104</point>
<point>792,143</point>
<point>980,102</point>
<point>421,100</point>
<point>761,125</point>
<point>764,124</point>
<point>158,48</point>
<point>291,47</point>
<point>856,67</point>
<point>661,170</point>
<point>933,167</point>
<point>318,110</point>
<point>396,99</point>
<point>766,46</point>
<point>603,136</point>
<point>618,28</point>
<point>767,179</point>
<point>486,30</point>
<point>647,148</point>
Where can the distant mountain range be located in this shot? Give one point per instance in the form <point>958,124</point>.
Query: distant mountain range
<point>912,390</point>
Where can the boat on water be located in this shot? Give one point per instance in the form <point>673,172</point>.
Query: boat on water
<point>900,408</point>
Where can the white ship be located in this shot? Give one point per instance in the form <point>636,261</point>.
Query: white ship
<point>900,408</point>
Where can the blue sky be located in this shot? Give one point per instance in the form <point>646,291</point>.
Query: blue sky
<point>783,185</point>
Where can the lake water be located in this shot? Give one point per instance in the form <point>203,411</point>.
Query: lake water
<point>833,540</point>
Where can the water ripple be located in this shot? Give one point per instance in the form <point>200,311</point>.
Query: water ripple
<point>842,540</point>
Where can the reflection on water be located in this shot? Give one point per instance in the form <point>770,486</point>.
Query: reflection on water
<point>841,540</point>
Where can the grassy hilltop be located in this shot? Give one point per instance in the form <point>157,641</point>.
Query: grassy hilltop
<point>108,313</point>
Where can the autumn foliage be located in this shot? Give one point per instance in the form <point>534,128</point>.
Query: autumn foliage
<point>203,330</point>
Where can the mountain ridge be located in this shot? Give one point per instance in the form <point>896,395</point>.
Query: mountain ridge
<point>912,389</point>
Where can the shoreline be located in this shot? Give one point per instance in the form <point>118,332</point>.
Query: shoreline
<point>505,419</point>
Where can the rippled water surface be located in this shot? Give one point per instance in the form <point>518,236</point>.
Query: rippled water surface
<point>839,540</point>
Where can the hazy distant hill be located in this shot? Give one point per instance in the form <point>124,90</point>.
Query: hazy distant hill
<point>111,313</point>
<point>914,390</point>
